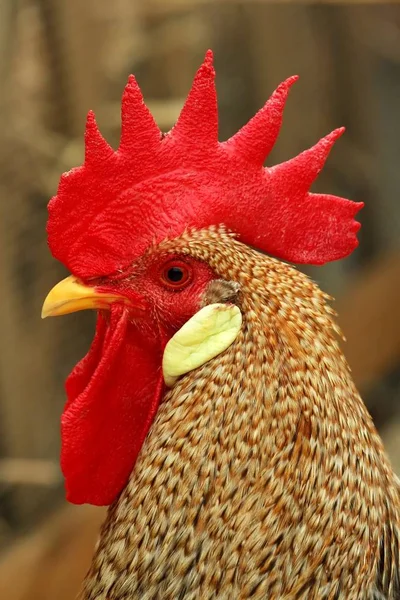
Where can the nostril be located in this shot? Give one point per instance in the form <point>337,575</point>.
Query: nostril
<point>96,281</point>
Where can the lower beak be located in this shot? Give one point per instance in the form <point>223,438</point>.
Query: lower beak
<point>70,295</point>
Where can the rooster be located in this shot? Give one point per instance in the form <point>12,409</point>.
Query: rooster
<point>214,411</point>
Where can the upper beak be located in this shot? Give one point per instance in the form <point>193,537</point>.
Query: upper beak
<point>70,295</point>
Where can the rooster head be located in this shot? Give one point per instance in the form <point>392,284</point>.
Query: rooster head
<point>121,224</point>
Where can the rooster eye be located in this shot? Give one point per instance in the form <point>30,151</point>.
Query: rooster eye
<point>176,275</point>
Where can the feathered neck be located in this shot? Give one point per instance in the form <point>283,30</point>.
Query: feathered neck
<point>261,461</point>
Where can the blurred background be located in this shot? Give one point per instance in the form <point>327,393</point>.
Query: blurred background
<point>58,59</point>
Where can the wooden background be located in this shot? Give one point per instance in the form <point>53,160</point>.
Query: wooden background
<point>58,58</point>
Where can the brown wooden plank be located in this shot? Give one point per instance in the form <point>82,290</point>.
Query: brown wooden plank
<point>369,318</point>
<point>52,563</point>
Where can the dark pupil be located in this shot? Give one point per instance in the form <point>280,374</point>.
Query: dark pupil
<point>175,274</point>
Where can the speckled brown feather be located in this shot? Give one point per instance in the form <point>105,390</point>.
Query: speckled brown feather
<point>263,475</point>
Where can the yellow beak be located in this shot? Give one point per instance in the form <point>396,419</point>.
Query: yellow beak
<point>70,296</point>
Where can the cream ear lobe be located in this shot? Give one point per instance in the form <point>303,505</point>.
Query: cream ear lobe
<point>208,333</point>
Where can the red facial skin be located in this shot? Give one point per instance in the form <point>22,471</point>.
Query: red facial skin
<point>114,392</point>
<point>147,287</point>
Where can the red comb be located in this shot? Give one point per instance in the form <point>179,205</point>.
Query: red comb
<point>109,210</point>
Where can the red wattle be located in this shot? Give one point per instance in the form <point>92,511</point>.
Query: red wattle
<point>113,396</point>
